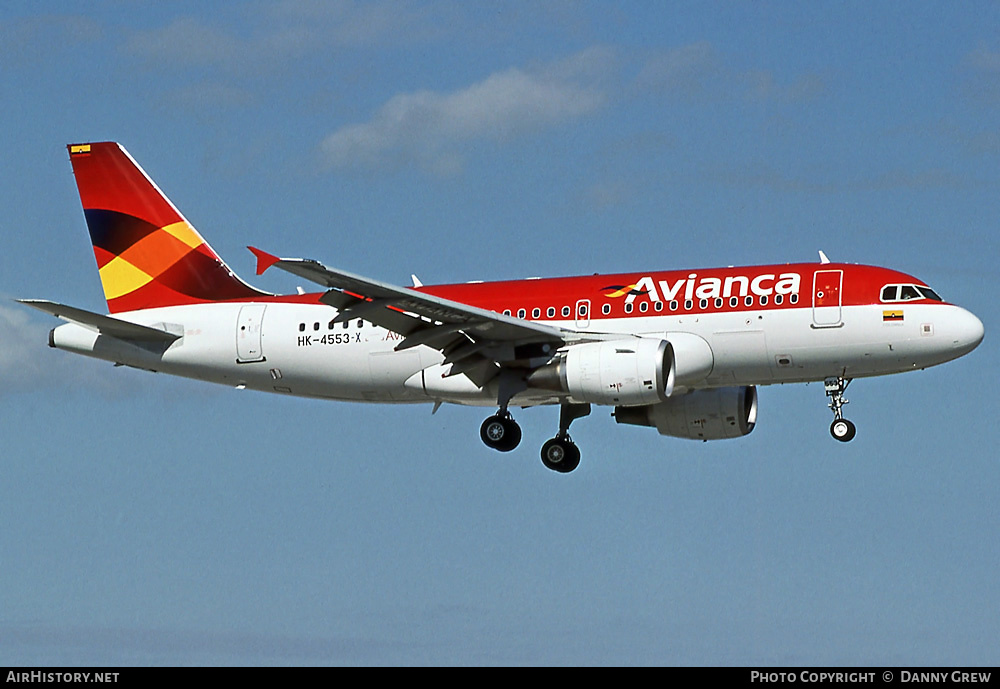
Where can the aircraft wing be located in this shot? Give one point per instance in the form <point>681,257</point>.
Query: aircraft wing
<point>468,336</point>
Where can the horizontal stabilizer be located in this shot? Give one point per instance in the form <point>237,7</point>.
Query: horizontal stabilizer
<point>105,325</point>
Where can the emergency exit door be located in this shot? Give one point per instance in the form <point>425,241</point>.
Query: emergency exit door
<point>827,286</point>
<point>249,333</point>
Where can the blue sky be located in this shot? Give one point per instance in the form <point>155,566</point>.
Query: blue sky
<point>148,520</point>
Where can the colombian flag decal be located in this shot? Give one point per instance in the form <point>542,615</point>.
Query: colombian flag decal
<point>892,316</point>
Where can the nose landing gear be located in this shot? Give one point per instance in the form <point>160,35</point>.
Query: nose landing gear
<point>841,429</point>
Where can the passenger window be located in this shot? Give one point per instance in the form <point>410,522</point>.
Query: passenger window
<point>778,299</point>
<point>521,313</point>
<point>763,300</point>
<point>551,313</point>
<point>734,302</point>
<point>302,327</point>
<point>644,306</point>
<point>329,325</point>
<point>536,312</point>
<point>794,299</point>
<point>628,308</point>
<point>673,305</point>
<point>718,302</point>
<point>748,301</point>
<point>688,304</point>
<point>606,309</point>
<point>506,312</point>
<point>316,325</point>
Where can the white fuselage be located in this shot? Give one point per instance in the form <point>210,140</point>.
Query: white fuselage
<point>296,349</point>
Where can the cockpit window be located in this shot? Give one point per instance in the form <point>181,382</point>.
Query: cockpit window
<point>908,293</point>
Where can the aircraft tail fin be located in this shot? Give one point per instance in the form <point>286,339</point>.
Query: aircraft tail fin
<point>147,253</point>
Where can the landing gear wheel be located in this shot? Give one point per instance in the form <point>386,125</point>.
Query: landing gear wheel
<point>500,432</point>
<point>560,454</point>
<point>843,430</point>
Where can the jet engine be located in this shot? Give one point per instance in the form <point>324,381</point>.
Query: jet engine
<point>626,372</point>
<point>700,415</point>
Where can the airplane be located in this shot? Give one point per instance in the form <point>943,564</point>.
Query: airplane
<point>679,351</point>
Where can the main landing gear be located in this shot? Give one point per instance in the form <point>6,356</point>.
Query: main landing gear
<point>560,453</point>
<point>841,429</point>
<point>501,431</point>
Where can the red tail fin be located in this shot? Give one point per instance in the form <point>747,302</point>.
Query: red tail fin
<point>147,253</point>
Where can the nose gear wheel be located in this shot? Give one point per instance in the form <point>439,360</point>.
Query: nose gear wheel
<point>841,429</point>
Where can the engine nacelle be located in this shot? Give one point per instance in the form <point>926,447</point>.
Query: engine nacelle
<point>700,415</point>
<point>691,361</point>
<point>626,372</point>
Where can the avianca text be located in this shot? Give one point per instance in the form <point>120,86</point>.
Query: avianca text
<point>694,287</point>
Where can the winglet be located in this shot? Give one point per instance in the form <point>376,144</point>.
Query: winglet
<point>822,259</point>
<point>264,259</point>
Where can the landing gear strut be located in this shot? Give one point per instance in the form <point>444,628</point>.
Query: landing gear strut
<point>501,431</point>
<point>561,453</point>
<point>841,429</point>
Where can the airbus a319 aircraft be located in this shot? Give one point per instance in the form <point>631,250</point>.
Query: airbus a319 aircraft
<point>680,351</point>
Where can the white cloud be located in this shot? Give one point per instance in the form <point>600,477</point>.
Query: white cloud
<point>28,364</point>
<point>699,72</point>
<point>429,128</point>
<point>22,360</point>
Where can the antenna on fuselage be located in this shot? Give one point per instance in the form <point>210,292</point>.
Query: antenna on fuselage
<point>823,258</point>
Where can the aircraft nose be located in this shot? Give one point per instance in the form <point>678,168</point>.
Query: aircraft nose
<point>966,330</point>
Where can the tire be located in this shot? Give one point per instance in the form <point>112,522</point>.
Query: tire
<point>560,455</point>
<point>843,430</point>
<point>500,433</point>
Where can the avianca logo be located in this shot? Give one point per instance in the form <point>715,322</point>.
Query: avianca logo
<point>694,287</point>
<point>615,291</point>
